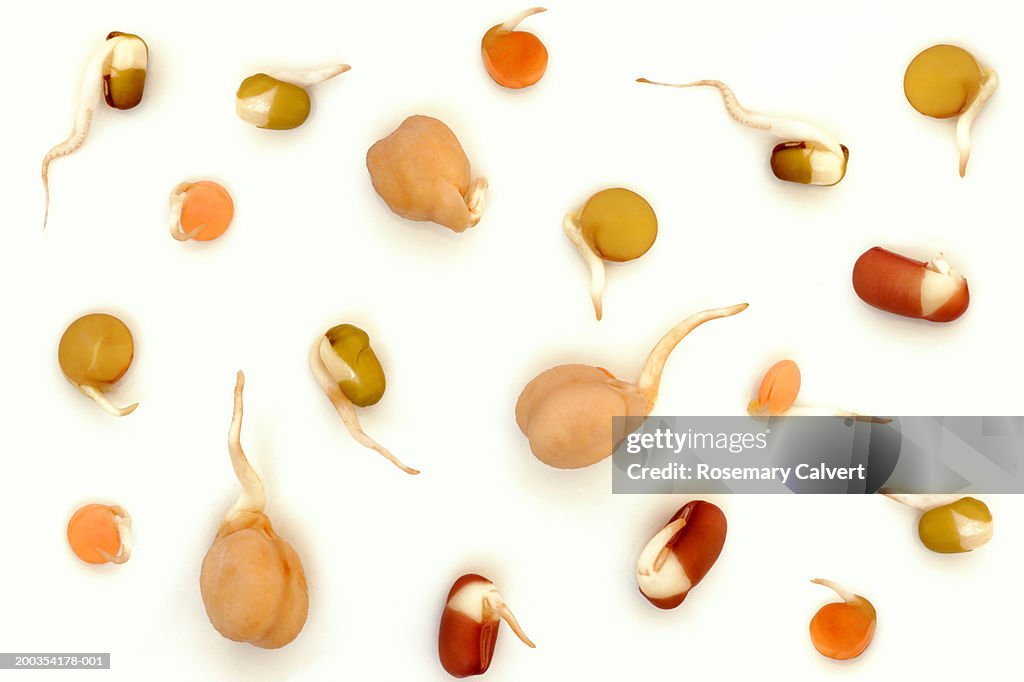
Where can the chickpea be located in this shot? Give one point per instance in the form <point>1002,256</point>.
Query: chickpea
<point>252,581</point>
<point>566,412</point>
<point>422,173</point>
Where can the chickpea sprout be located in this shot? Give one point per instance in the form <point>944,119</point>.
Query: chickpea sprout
<point>252,581</point>
<point>422,173</point>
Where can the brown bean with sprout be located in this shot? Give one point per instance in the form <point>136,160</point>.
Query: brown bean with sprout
<point>118,71</point>
<point>808,155</point>
<point>681,554</point>
<point>469,626</point>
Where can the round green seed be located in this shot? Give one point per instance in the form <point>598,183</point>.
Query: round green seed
<point>267,102</point>
<point>124,73</point>
<point>803,163</point>
<point>352,345</point>
<point>939,529</point>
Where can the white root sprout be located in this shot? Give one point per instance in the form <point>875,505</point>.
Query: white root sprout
<point>921,501</point>
<point>494,604</point>
<point>124,533</point>
<point>252,499</point>
<point>786,129</point>
<point>656,552</point>
<point>803,411</point>
<point>475,200</point>
<point>177,204</point>
<point>989,83</point>
<point>512,23</point>
<point>103,402</point>
<point>844,594</point>
<point>650,376</point>
<point>88,99</point>
<point>346,410</point>
<point>305,78</point>
<point>574,231</point>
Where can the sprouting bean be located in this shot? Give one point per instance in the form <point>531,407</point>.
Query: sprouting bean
<point>946,81</point>
<point>422,173</point>
<point>778,391</point>
<point>94,353</point>
<point>949,524</point>
<point>566,412</point>
<point>252,581</point>
<point>514,59</point>
<point>124,71</point>
<point>118,71</point>
<point>843,630</point>
<point>806,164</point>
<point>930,290</point>
<point>808,155</point>
<point>615,225</point>
<point>348,371</point>
<point>469,626</point>
<point>280,101</point>
<point>99,534</point>
<point>681,553</point>
<point>200,210</point>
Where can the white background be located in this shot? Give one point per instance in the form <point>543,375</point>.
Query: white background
<point>462,322</point>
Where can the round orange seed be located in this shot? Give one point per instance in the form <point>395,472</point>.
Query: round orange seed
<point>94,530</point>
<point>208,210</point>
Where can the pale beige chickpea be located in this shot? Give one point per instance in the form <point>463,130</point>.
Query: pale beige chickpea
<point>252,581</point>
